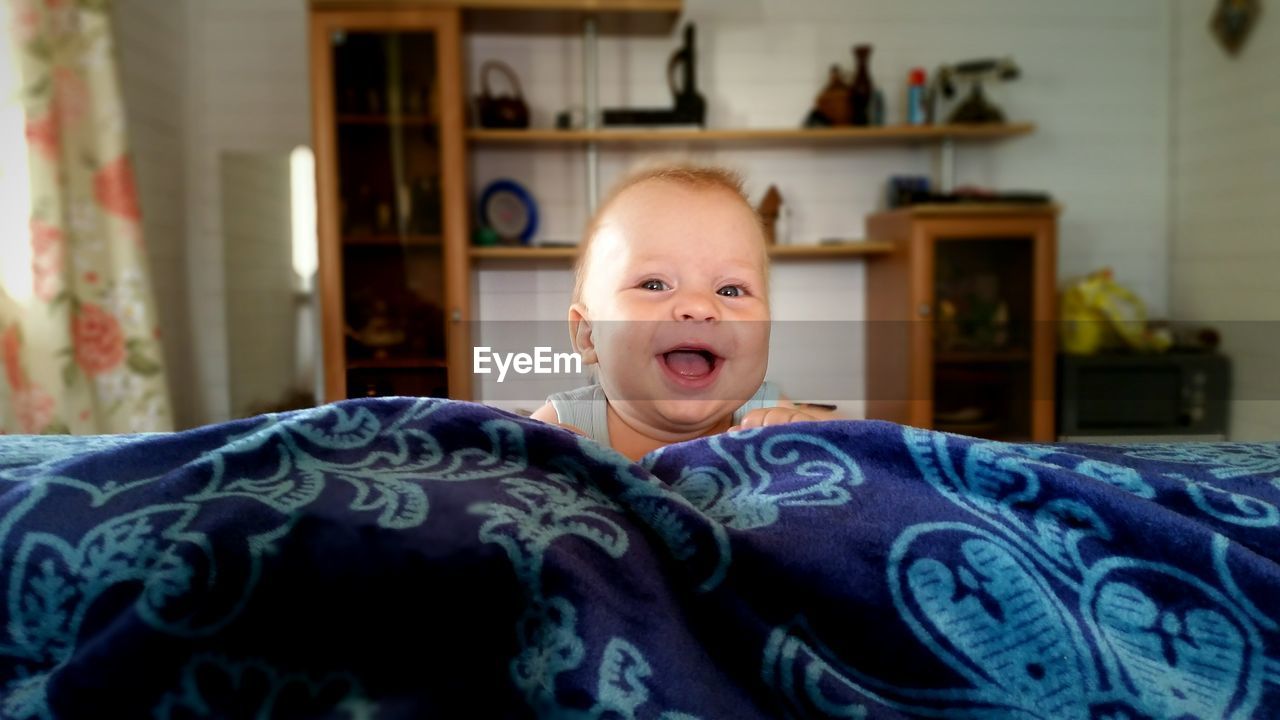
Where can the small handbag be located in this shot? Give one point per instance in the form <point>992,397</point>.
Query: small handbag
<point>501,111</point>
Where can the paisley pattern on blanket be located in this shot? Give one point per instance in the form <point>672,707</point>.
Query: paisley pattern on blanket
<point>413,557</point>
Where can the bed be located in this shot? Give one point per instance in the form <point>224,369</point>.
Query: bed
<point>428,558</point>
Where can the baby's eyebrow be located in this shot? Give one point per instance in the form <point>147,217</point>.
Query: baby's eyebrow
<point>652,263</point>
<point>744,269</point>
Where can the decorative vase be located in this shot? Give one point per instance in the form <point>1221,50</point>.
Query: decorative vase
<point>861,91</point>
<point>833,101</point>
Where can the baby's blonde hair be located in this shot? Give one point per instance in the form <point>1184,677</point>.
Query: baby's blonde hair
<point>688,174</point>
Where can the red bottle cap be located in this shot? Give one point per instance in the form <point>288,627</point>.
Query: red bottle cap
<point>917,76</point>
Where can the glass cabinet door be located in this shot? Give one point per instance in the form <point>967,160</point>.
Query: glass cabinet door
<point>982,336</point>
<point>383,118</point>
<point>389,213</point>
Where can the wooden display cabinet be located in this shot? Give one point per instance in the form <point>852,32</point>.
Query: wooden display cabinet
<point>961,320</point>
<point>391,185</point>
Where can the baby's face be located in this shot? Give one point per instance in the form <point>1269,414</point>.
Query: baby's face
<point>675,294</point>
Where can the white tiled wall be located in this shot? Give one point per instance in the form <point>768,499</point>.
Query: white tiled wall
<point>1225,254</point>
<point>1095,82</point>
<point>152,52</point>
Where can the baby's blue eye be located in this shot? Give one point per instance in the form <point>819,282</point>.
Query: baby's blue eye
<point>731,291</point>
<point>653,285</point>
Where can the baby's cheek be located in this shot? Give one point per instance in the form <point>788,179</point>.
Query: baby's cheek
<point>635,337</point>
<point>619,343</point>
<point>754,339</point>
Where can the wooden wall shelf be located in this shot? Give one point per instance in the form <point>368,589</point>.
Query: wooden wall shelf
<point>976,209</point>
<point>818,252</point>
<point>885,134</point>
<point>523,253</point>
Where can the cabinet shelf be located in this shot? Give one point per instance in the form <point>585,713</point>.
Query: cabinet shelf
<point>776,252</point>
<point>884,134</point>
<point>397,363</point>
<point>982,357</point>
<point>387,120</point>
<point>391,239</point>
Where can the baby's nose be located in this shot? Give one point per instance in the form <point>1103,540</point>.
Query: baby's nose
<point>698,306</point>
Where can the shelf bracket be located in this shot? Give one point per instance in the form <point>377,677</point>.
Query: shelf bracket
<point>590,86</point>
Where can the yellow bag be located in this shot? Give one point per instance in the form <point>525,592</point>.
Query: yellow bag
<point>1100,314</point>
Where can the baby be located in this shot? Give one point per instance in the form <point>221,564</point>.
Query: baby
<point>671,304</point>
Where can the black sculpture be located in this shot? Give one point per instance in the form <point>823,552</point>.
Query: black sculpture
<point>975,108</point>
<point>690,107</point>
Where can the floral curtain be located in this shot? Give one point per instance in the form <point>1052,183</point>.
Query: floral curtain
<point>79,341</point>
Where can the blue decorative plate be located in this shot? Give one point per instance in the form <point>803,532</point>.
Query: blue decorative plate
<point>509,209</point>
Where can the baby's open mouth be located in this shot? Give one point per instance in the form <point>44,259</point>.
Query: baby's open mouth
<point>690,363</point>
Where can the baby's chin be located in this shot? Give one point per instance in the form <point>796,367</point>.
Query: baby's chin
<point>687,415</point>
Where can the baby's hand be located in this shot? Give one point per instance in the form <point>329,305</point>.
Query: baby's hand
<point>761,417</point>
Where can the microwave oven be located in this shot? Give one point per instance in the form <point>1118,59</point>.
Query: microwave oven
<point>1141,398</point>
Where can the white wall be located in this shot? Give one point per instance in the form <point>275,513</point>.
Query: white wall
<point>247,91</point>
<point>262,306</point>
<point>1095,82</point>
<point>1226,243</point>
<point>204,78</point>
<point>152,51</point>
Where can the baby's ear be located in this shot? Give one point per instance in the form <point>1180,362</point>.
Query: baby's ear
<point>580,333</point>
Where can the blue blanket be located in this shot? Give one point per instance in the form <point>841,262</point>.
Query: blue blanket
<point>416,558</point>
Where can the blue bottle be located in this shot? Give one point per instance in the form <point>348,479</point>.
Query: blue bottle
<point>915,97</point>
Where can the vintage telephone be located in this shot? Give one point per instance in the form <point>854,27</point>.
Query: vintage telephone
<point>975,108</point>
<point>690,107</point>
